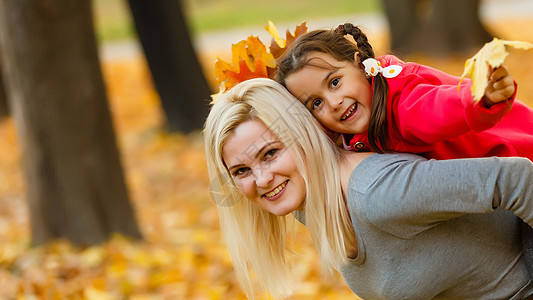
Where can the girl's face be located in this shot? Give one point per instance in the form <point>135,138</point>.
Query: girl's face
<point>336,92</point>
<point>263,169</point>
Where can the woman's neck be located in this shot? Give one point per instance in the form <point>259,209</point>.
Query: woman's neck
<point>349,160</point>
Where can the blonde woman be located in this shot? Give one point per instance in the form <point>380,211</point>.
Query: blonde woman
<point>397,226</point>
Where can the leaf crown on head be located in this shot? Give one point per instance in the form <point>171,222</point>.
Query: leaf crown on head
<point>252,59</point>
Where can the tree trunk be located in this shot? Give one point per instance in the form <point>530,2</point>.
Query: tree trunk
<point>4,108</point>
<point>402,18</point>
<point>438,27</point>
<point>76,187</point>
<point>177,74</point>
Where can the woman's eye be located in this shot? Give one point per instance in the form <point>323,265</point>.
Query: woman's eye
<point>316,104</point>
<point>271,153</point>
<point>240,171</point>
<point>335,82</point>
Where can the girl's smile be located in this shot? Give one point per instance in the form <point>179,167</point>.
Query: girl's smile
<point>336,92</point>
<point>350,112</point>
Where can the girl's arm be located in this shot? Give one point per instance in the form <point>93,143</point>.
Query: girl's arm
<point>408,195</point>
<point>429,107</point>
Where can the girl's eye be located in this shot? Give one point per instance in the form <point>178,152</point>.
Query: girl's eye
<point>316,104</point>
<point>334,82</point>
<point>240,171</point>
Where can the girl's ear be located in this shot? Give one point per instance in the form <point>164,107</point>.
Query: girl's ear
<point>356,57</point>
<point>357,62</point>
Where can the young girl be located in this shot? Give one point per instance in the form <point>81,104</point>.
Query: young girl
<point>383,104</point>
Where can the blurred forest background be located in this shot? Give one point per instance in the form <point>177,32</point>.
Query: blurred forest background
<point>179,253</point>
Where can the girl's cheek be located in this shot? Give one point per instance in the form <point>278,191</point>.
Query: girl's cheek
<point>320,114</point>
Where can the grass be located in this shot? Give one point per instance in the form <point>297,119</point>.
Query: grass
<point>113,20</point>
<point>207,15</point>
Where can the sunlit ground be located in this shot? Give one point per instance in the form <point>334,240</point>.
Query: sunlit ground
<point>183,256</point>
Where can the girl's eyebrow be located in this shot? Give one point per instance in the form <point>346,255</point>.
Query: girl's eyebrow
<point>324,81</point>
<point>256,156</point>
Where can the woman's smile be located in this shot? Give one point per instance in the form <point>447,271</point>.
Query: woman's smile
<point>276,193</point>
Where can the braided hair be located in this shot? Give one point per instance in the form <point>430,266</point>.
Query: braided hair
<point>334,43</point>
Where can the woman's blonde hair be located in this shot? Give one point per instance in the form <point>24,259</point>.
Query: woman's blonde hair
<point>255,238</point>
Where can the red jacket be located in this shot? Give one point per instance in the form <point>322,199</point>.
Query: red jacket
<point>427,115</point>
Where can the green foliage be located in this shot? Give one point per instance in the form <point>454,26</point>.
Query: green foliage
<point>207,15</point>
<point>113,20</point>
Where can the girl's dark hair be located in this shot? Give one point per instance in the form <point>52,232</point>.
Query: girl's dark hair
<point>333,43</point>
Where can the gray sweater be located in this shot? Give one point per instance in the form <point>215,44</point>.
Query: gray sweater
<point>429,229</point>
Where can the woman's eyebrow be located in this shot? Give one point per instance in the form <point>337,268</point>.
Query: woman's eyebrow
<point>235,166</point>
<point>256,156</point>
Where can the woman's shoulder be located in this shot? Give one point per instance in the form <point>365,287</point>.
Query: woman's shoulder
<point>374,192</point>
<point>376,165</point>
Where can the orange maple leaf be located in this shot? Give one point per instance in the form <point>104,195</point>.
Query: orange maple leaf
<point>250,59</point>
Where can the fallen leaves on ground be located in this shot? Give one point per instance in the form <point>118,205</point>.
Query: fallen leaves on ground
<point>183,255</point>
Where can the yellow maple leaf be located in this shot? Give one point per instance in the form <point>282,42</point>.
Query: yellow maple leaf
<point>92,256</point>
<point>271,28</point>
<point>91,293</point>
<point>491,55</point>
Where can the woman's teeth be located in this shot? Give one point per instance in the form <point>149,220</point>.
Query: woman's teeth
<point>346,115</point>
<point>276,190</point>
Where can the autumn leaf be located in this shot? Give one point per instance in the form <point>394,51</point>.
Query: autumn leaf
<point>277,48</point>
<point>250,59</point>
<point>271,28</point>
<point>491,55</point>
<point>91,293</point>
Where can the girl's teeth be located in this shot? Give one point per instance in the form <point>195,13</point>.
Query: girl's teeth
<point>349,112</point>
<point>276,190</point>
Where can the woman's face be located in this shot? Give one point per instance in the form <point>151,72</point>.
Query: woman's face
<point>263,169</point>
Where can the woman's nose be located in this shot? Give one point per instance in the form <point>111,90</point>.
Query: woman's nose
<point>263,176</point>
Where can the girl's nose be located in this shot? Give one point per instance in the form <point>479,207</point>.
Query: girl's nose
<point>336,103</point>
